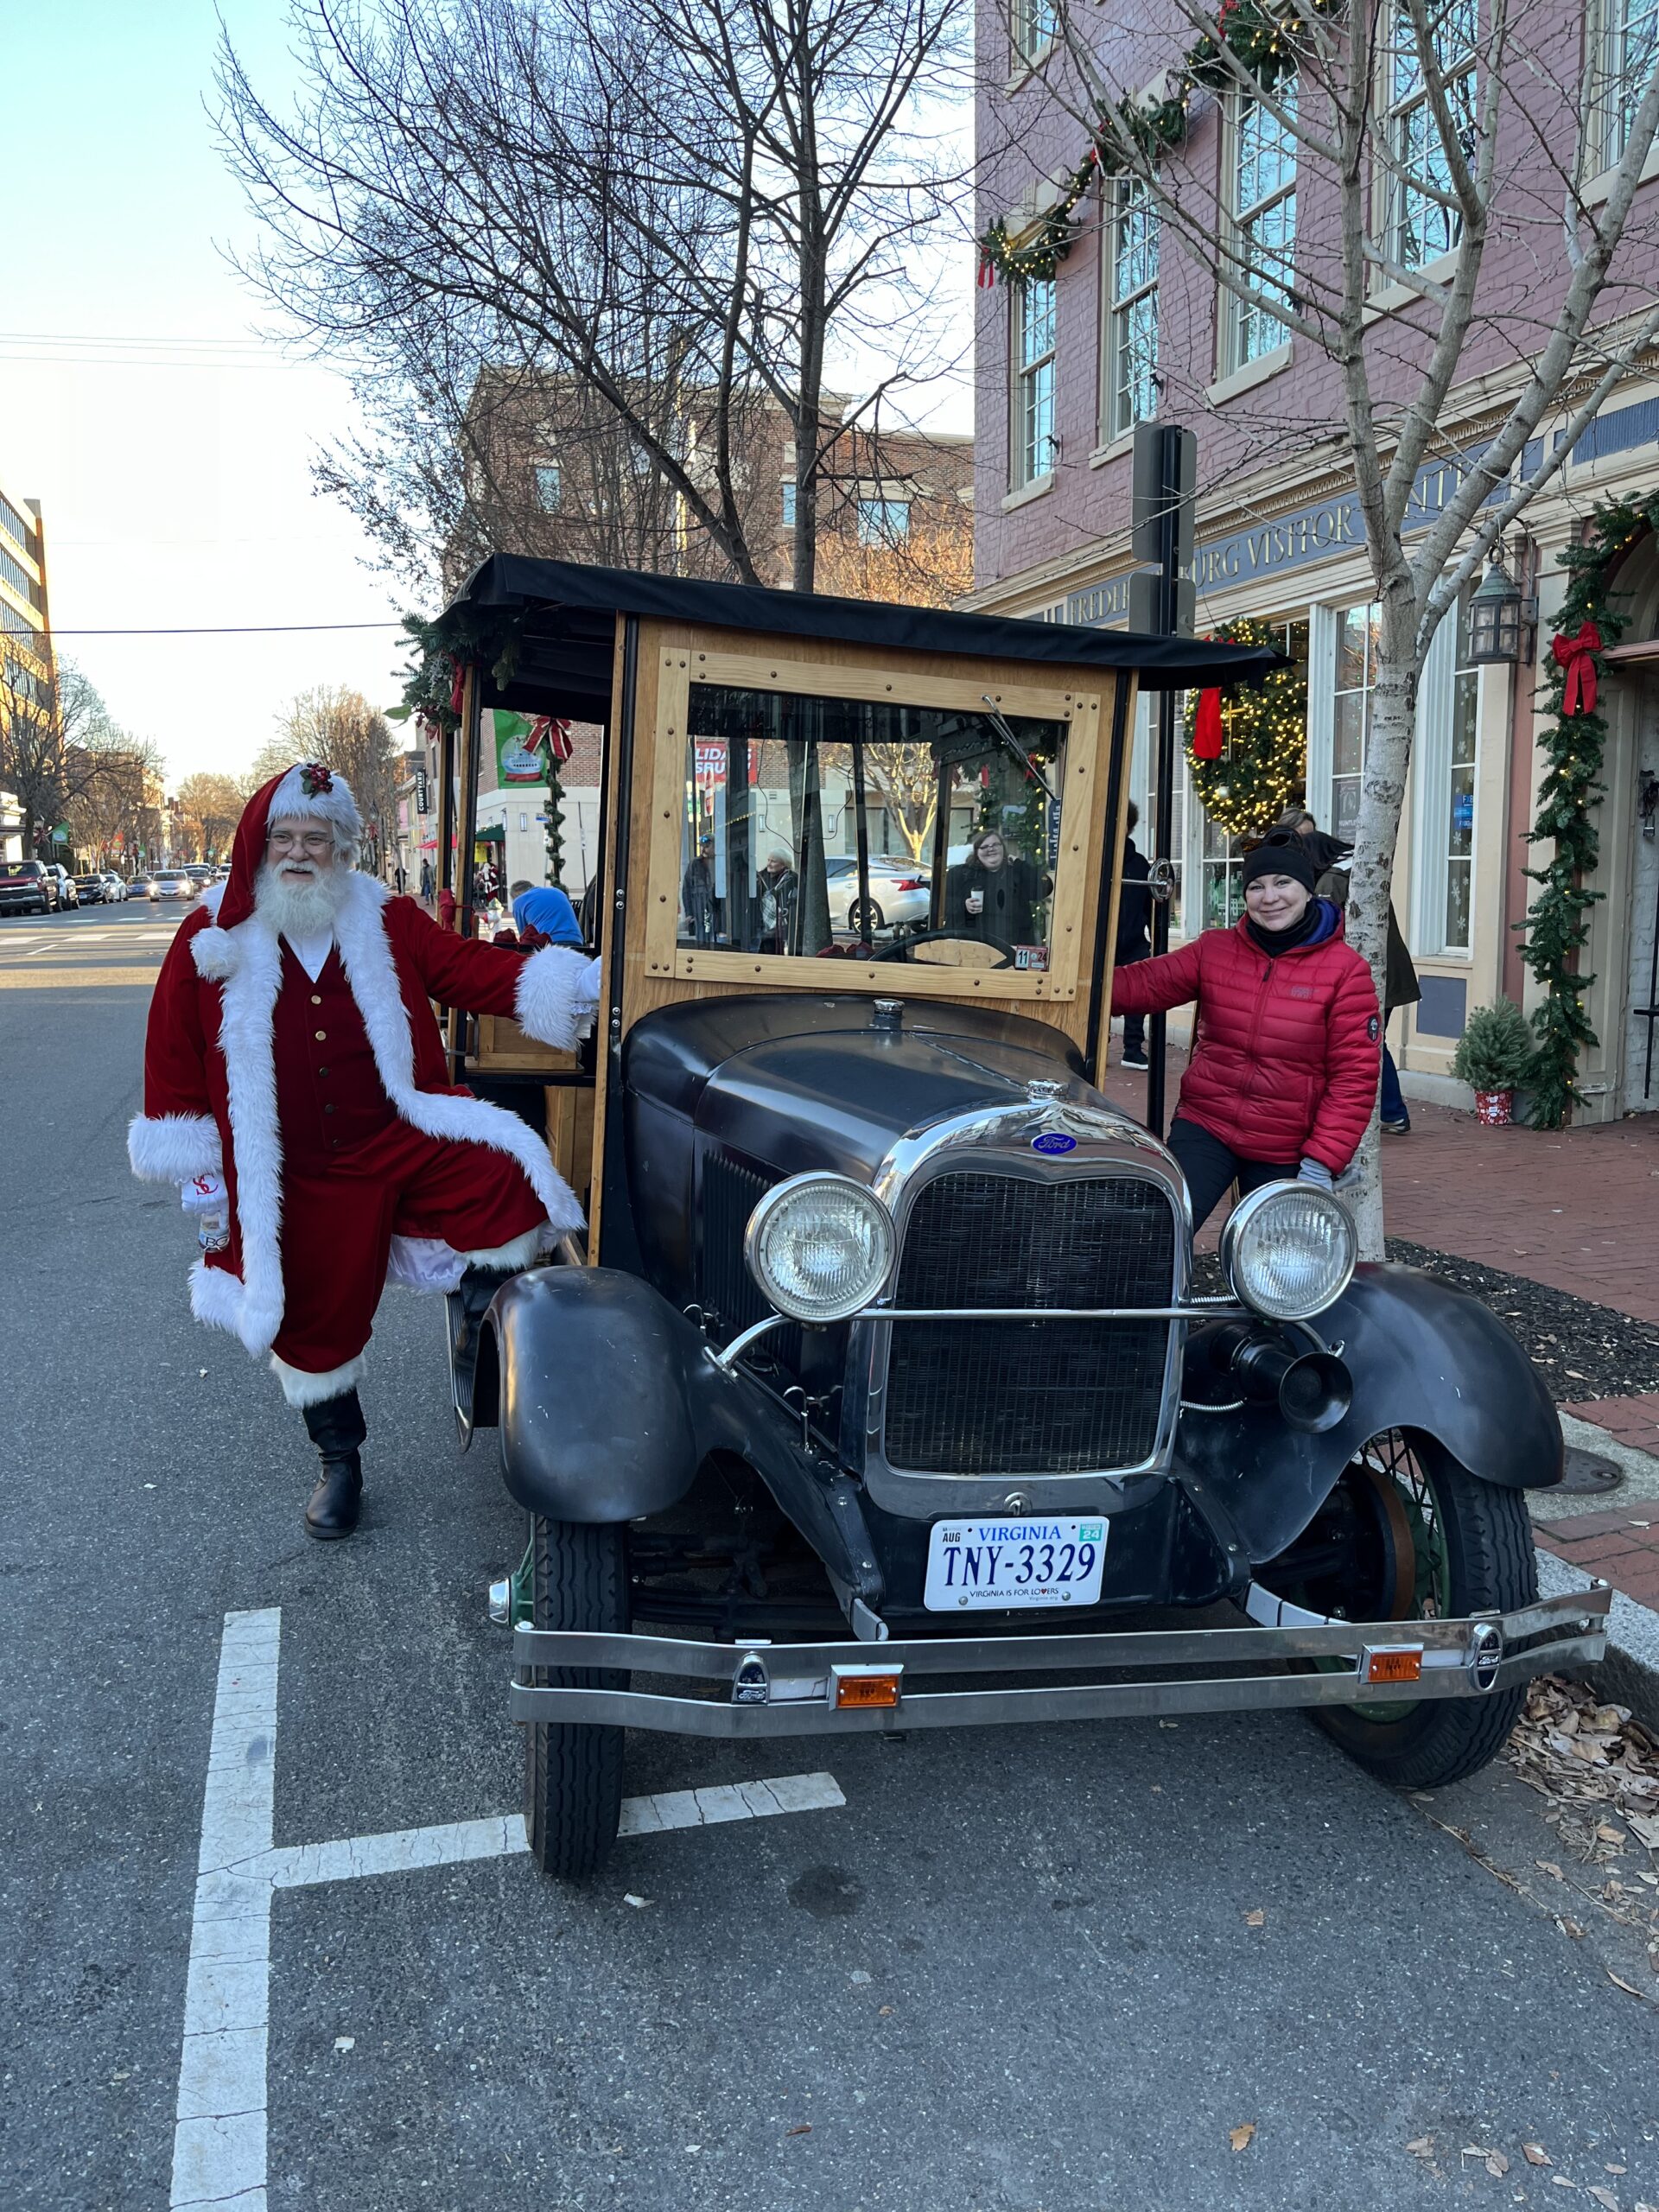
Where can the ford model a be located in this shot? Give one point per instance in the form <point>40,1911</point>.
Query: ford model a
<point>881,1393</point>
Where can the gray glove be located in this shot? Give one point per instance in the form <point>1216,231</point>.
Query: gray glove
<point>1315,1171</point>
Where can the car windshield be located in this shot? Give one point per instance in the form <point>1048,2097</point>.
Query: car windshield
<point>818,826</point>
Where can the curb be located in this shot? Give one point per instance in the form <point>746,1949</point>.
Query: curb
<point>1630,1673</point>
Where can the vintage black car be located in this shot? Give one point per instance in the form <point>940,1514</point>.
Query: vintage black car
<point>881,1392</point>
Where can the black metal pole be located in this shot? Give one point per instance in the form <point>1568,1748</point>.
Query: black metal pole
<point>1164,812</point>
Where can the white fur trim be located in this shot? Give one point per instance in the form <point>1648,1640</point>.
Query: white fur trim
<point>172,1147</point>
<point>213,896</point>
<point>302,1389</point>
<point>213,951</point>
<point>522,1252</point>
<point>555,994</point>
<point>248,993</point>
<point>371,974</point>
<point>336,807</point>
<point>216,1296</point>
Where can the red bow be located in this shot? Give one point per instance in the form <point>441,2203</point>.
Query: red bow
<point>456,688</point>
<point>1207,736</point>
<point>1576,656</point>
<point>547,730</point>
<point>987,272</point>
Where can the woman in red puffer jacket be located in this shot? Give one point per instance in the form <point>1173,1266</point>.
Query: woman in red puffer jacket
<point>1286,1049</point>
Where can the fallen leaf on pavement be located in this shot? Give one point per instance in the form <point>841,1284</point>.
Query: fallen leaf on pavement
<point>1422,2148</point>
<point>1548,1866</point>
<point>1535,2155</point>
<point>1605,2197</point>
<point>1619,1982</point>
<point>1561,2181</point>
<point>805,2129</point>
<point>1257,1919</point>
<point>1497,2164</point>
<point>1240,2137</point>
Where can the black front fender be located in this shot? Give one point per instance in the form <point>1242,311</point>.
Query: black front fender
<point>610,1401</point>
<point>1422,1354</point>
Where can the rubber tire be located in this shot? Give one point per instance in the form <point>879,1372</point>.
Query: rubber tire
<point>573,1771</point>
<point>863,924</point>
<point>1492,1568</point>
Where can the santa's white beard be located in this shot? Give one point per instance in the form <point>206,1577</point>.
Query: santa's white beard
<point>299,899</point>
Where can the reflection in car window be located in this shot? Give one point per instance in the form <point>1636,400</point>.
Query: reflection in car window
<point>833,826</point>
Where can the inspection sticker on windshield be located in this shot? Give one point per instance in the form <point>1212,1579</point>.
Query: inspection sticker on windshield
<point>1053,1562</point>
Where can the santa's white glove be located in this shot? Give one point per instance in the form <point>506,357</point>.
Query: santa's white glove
<point>202,1193</point>
<point>1316,1172</point>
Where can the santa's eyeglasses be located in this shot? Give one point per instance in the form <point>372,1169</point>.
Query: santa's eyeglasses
<point>310,841</point>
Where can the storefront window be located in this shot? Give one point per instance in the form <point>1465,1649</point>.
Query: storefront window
<point>1355,681</point>
<point>1459,817</point>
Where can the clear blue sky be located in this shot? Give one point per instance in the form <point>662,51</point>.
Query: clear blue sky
<point>173,492</point>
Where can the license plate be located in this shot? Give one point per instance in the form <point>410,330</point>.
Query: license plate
<point>974,1566</point>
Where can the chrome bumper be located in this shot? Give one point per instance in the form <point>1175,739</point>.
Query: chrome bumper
<point>788,1689</point>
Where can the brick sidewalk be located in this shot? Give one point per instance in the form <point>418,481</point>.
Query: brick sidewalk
<point>1577,1209</point>
<point>1620,1546</point>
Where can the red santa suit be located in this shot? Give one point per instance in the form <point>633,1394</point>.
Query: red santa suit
<point>324,1101</point>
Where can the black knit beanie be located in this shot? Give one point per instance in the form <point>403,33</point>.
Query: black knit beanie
<point>1279,855</point>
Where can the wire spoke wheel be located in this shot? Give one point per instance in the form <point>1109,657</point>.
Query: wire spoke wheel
<point>1409,1534</point>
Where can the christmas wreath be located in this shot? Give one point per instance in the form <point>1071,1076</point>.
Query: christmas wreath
<point>1247,747</point>
<point>1570,735</point>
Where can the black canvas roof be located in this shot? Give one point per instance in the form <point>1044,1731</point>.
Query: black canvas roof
<point>564,664</point>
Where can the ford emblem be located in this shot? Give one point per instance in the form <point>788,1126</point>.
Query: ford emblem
<point>1054,1140</point>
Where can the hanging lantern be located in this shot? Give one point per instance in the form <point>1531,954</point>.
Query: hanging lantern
<point>1495,617</point>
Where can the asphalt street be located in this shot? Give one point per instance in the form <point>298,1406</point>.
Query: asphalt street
<point>1015,1972</point>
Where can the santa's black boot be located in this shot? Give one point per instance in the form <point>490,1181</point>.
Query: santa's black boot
<point>337,1428</point>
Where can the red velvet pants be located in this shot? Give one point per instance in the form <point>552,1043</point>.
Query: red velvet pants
<point>338,1225</point>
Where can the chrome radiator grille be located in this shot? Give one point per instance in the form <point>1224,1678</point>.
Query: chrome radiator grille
<point>1016,1397</point>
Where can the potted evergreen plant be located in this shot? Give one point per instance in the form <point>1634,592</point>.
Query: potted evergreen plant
<point>1493,1058</point>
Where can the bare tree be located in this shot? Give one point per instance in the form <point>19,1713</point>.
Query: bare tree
<point>63,755</point>
<point>339,729</point>
<point>212,806</point>
<point>650,218</point>
<point>1494,99</point>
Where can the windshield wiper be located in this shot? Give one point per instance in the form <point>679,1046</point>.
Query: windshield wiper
<point>1018,750</point>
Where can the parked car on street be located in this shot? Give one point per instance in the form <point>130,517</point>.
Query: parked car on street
<point>115,889</point>
<point>879,1396</point>
<point>142,887</point>
<point>90,889</point>
<point>27,887</point>
<point>174,883</point>
<point>899,895</point>
<point>68,893</point>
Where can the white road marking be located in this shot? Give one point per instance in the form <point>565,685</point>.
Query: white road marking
<point>220,2135</point>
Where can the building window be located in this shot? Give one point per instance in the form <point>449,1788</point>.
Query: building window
<point>1033,382</point>
<point>790,490</point>
<point>1420,228</point>
<point>1262,207</point>
<point>1357,630</point>
<point>883,522</point>
<point>548,486</point>
<point>1630,34</point>
<point>1131,239</point>
<point>1457,815</point>
<point>1033,25</point>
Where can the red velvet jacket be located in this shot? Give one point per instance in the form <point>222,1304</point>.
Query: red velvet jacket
<point>215,1095</point>
<point>1287,1053</point>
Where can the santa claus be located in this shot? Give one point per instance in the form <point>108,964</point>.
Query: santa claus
<point>294,1077</point>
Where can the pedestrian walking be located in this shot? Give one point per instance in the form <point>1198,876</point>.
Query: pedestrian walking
<point>1399,983</point>
<point>426,881</point>
<point>1133,942</point>
<point>775,890</point>
<point>294,1077</point>
<point>697,894</point>
<point>1285,1057</point>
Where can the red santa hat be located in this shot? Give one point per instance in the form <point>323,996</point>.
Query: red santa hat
<point>307,788</point>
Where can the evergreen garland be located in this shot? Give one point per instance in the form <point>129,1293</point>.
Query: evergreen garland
<point>1262,764</point>
<point>1263,38</point>
<point>1557,926</point>
<point>443,647</point>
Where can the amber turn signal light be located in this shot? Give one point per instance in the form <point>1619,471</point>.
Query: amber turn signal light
<point>1395,1662</point>
<point>865,1686</point>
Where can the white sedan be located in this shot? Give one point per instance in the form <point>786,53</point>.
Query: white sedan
<point>899,892</point>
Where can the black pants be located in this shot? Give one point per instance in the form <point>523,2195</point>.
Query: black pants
<point>1134,1024</point>
<point>1211,1167</point>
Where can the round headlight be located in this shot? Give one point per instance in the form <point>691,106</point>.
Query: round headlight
<point>1288,1251</point>
<point>820,1247</point>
